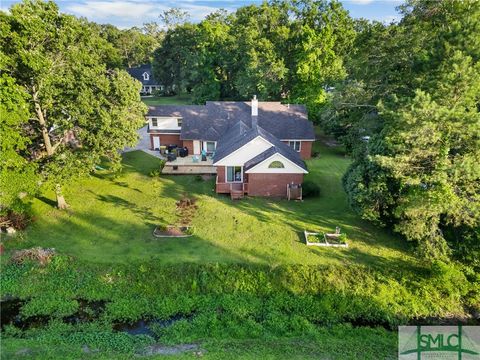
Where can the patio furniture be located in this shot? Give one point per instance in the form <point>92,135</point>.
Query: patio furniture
<point>171,156</point>
<point>195,159</point>
<point>183,152</point>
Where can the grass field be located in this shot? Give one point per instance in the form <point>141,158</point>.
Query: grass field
<point>232,283</point>
<point>111,219</point>
<point>182,99</point>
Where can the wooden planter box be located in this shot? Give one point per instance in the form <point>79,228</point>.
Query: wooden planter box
<point>325,242</point>
<point>173,231</point>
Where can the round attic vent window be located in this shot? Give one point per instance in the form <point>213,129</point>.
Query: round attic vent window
<point>276,165</point>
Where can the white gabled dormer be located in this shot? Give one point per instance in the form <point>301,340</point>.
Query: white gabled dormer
<point>164,123</point>
<point>146,76</point>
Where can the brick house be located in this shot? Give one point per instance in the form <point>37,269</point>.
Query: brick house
<point>254,148</point>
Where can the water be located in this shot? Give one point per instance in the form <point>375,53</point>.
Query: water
<point>88,311</point>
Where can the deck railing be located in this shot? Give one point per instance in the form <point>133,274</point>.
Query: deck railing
<point>226,188</point>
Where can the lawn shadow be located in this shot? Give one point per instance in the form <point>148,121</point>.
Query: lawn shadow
<point>47,201</point>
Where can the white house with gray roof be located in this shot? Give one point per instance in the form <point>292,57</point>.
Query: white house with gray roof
<point>144,74</point>
<point>254,148</point>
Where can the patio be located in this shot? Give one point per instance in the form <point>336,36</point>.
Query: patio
<point>191,164</point>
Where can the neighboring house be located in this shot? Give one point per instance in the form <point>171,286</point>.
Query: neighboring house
<point>144,74</point>
<point>256,148</point>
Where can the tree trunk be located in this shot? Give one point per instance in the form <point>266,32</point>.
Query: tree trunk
<point>43,125</point>
<point>61,203</point>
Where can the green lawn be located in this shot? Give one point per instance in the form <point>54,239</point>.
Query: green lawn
<point>182,99</point>
<point>112,218</point>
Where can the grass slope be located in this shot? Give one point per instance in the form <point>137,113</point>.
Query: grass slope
<point>112,218</point>
<point>182,99</point>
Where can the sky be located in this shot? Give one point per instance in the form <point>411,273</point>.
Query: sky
<point>128,13</point>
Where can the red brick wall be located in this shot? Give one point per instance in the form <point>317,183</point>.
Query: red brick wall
<point>221,173</point>
<point>189,145</point>
<point>305,149</point>
<point>166,139</point>
<point>271,184</point>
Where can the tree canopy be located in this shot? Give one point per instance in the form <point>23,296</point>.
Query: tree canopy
<point>409,113</point>
<point>65,109</point>
<point>278,50</point>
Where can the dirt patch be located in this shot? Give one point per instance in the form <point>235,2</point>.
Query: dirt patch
<point>38,254</point>
<point>186,208</point>
<point>172,231</point>
<point>158,349</point>
<point>16,220</point>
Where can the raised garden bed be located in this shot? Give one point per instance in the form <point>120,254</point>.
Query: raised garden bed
<point>173,231</point>
<point>325,239</point>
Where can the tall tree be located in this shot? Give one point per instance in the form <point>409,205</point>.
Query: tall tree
<point>17,175</point>
<point>277,50</point>
<point>410,114</point>
<point>174,17</point>
<point>80,110</point>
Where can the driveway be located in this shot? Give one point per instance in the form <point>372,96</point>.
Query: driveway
<point>143,143</point>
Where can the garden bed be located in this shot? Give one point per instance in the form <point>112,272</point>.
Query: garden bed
<point>172,231</point>
<point>325,239</point>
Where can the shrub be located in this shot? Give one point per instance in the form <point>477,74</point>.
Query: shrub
<point>310,189</point>
<point>158,172</point>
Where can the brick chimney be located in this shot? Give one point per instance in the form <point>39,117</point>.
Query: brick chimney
<point>254,106</point>
<point>254,111</point>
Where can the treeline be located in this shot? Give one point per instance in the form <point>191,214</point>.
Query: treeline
<point>408,112</point>
<point>289,50</point>
<point>64,105</point>
<point>404,103</point>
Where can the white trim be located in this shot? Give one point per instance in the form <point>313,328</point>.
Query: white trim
<point>240,148</point>
<point>204,145</point>
<point>241,175</point>
<point>276,154</point>
<point>154,140</point>
<point>197,147</point>
<point>163,133</point>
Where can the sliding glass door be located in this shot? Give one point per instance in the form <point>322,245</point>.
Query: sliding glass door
<point>234,174</point>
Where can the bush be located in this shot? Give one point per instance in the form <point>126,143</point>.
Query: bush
<point>158,172</point>
<point>310,189</point>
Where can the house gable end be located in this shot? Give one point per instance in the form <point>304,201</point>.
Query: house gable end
<point>246,152</point>
<point>289,167</point>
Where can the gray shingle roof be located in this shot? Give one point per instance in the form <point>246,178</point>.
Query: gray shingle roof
<point>228,144</point>
<point>212,120</point>
<point>259,158</point>
<point>137,73</point>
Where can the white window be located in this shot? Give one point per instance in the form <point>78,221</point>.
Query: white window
<point>234,173</point>
<point>146,77</point>
<point>154,122</point>
<point>295,145</point>
<point>179,122</point>
<point>210,146</point>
